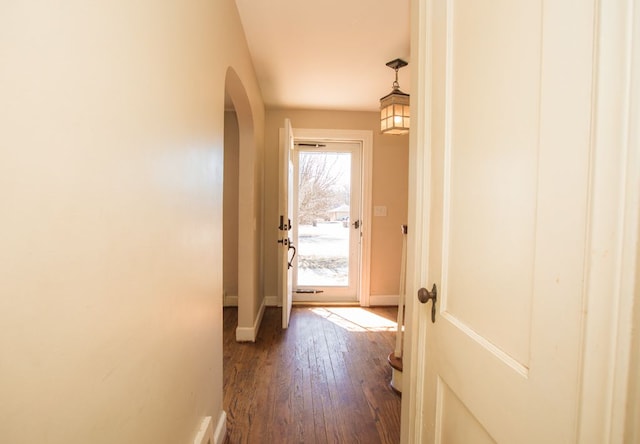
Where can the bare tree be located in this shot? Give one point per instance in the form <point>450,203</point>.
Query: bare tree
<point>345,194</point>
<point>318,186</point>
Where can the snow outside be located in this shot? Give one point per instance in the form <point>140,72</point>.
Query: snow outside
<point>323,218</point>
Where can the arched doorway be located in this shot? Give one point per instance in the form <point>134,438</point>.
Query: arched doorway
<point>241,243</point>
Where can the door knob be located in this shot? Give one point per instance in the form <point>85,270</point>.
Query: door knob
<point>425,296</point>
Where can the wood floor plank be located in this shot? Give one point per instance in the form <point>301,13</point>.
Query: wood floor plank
<point>304,399</point>
<point>348,389</point>
<point>323,380</point>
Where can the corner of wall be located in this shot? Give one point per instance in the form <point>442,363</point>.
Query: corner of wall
<point>249,334</point>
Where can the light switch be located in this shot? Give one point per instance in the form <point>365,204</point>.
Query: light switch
<point>379,211</point>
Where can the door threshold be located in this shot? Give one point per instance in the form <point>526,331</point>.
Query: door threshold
<point>326,304</point>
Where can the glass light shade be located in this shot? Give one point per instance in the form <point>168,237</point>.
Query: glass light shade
<point>394,113</point>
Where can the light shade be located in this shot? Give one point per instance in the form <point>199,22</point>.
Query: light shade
<point>394,113</point>
<point>394,107</point>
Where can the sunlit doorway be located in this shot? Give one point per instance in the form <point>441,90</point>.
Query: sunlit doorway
<point>327,221</point>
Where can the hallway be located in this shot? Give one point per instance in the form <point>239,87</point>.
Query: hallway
<point>324,380</point>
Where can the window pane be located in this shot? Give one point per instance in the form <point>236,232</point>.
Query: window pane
<point>323,218</point>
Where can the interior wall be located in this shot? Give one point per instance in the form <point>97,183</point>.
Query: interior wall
<point>111,165</point>
<point>230,210</point>
<point>632,425</point>
<point>390,167</point>
<point>250,294</point>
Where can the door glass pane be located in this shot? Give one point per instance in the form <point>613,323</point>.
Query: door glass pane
<point>324,197</point>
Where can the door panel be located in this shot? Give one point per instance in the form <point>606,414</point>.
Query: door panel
<point>458,425</point>
<point>285,207</point>
<point>491,173</point>
<point>509,137</point>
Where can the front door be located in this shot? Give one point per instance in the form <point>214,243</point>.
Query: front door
<point>500,196</point>
<point>285,207</point>
<point>327,222</point>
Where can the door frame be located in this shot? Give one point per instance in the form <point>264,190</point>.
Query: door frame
<point>610,352</point>
<point>609,347</point>
<point>365,138</point>
<point>349,293</point>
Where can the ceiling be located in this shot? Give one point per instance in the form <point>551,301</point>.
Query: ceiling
<point>327,54</point>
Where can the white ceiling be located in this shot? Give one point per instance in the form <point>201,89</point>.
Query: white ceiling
<point>327,54</point>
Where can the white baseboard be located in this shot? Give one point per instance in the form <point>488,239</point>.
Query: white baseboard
<point>220,434</point>
<point>378,300</point>
<point>230,301</point>
<point>269,301</point>
<point>245,334</point>
<point>249,334</point>
<point>205,433</point>
<point>272,301</point>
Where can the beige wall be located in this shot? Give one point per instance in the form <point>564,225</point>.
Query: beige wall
<point>230,211</point>
<point>111,135</point>
<point>390,166</point>
<point>632,425</point>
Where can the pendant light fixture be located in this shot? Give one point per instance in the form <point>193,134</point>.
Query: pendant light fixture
<point>394,107</point>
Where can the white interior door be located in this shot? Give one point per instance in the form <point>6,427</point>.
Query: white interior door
<point>285,206</point>
<point>505,183</point>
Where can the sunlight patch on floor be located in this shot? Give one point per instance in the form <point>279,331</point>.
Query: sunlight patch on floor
<point>355,319</point>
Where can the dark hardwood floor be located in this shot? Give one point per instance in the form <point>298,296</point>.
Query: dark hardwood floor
<point>324,380</point>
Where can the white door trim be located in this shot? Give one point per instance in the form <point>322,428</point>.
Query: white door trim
<point>611,269</point>
<point>366,138</point>
<point>419,203</point>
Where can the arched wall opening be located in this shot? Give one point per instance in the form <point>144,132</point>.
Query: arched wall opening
<point>239,121</point>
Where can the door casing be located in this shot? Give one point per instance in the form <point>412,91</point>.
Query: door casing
<point>364,137</point>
